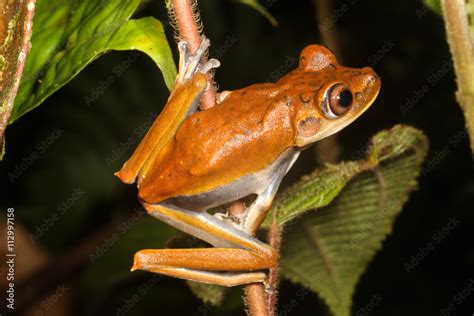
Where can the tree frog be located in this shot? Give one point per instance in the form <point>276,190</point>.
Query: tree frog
<point>191,160</point>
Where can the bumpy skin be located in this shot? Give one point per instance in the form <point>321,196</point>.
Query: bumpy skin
<point>253,126</point>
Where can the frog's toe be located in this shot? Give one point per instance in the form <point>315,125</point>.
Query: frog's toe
<point>209,65</point>
<point>189,63</point>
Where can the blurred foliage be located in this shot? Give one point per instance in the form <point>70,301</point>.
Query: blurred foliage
<point>43,169</point>
<point>254,4</point>
<point>434,5</point>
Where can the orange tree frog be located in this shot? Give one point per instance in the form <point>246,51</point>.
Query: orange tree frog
<point>191,161</point>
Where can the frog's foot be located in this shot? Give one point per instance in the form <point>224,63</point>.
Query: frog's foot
<point>229,219</point>
<point>189,64</point>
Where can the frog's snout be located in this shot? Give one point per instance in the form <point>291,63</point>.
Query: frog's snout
<point>369,77</point>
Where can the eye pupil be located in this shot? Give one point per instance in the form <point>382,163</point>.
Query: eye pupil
<point>338,100</point>
<point>345,98</point>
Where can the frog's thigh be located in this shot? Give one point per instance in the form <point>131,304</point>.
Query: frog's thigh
<point>238,251</point>
<point>208,228</point>
<point>217,278</point>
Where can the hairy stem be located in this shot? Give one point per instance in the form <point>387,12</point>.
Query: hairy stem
<point>186,16</point>
<point>460,43</point>
<point>186,20</point>
<point>274,239</point>
<point>255,300</point>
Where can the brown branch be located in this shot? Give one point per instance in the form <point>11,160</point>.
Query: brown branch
<point>328,149</point>
<point>14,53</point>
<point>255,300</point>
<point>186,21</point>
<point>186,16</point>
<point>274,239</point>
<point>460,43</point>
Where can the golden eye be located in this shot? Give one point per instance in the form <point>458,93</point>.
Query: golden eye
<point>337,100</point>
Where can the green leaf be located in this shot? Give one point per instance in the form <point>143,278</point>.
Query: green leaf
<point>434,5</point>
<point>260,9</point>
<point>70,34</point>
<point>208,293</point>
<point>313,191</point>
<point>327,251</point>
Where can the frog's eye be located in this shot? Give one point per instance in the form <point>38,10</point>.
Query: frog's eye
<point>337,100</point>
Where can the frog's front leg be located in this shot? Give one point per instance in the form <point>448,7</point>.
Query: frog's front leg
<point>191,64</point>
<point>183,101</point>
<point>232,262</point>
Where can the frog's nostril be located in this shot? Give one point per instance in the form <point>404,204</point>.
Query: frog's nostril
<point>371,78</point>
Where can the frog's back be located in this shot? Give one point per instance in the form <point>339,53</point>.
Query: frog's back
<point>240,136</point>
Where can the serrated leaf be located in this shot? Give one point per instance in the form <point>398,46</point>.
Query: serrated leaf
<point>343,226</point>
<point>328,250</point>
<point>315,190</point>
<point>15,32</point>
<point>70,34</point>
<point>260,9</point>
<point>208,293</point>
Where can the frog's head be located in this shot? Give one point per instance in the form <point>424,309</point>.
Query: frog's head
<point>342,94</point>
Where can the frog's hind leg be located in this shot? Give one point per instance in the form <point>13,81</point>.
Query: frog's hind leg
<point>212,277</point>
<point>231,263</point>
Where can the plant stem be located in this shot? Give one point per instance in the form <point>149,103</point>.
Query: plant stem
<point>255,300</point>
<point>189,31</point>
<point>274,239</point>
<point>186,20</point>
<point>14,54</point>
<point>460,43</point>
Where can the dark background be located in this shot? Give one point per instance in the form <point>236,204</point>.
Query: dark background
<point>81,159</point>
